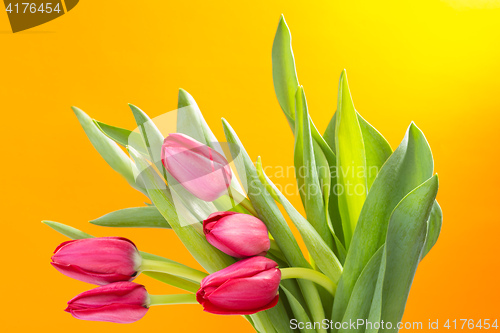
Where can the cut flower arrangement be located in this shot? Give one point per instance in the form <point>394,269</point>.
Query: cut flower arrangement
<point>371,217</point>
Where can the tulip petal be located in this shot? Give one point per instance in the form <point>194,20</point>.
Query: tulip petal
<point>247,293</point>
<point>119,292</point>
<point>80,274</point>
<point>241,269</point>
<point>201,170</point>
<point>120,302</point>
<point>240,236</point>
<point>211,308</point>
<point>115,313</point>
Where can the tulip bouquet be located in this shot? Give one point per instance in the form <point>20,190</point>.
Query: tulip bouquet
<point>370,218</point>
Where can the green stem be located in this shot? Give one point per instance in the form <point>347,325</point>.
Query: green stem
<point>149,265</point>
<point>172,299</point>
<point>275,250</point>
<point>244,202</point>
<point>311,275</point>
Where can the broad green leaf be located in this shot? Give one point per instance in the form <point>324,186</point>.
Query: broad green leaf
<point>299,312</point>
<point>377,149</point>
<point>307,173</point>
<point>137,217</point>
<point>286,82</point>
<point>376,305</point>
<point>190,120</point>
<point>175,281</point>
<point>109,150</point>
<point>67,231</point>
<point>405,240</point>
<point>330,204</point>
<point>279,317</point>
<point>362,295</point>
<point>322,255</point>
<point>270,214</point>
<point>408,167</point>
<point>208,256</point>
<point>263,323</point>
<point>351,161</point>
<point>263,202</point>
<point>122,136</point>
<point>285,85</point>
<point>284,74</point>
<point>433,228</point>
<point>152,137</point>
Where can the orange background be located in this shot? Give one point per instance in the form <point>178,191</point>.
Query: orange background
<point>433,62</point>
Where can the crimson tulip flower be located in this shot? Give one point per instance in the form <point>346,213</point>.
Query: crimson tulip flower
<point>246,287</point>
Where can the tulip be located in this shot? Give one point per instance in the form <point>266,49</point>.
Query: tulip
<point>238,235</point>
<point>119,302</point>
<point>246,287</point>
<point>201,170</point>
<point>98,260</point>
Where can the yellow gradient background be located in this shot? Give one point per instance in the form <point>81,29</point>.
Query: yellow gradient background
<point>432,62</point>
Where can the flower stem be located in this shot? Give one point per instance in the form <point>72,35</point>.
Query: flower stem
<point>244,202</point>
<point>172,299</point>
<point>311,275</point>
<point>173,269</point>
<point>275,250</point>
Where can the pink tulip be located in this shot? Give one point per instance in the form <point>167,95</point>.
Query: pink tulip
<point>238,235</point>
<point>200,169</point>
<point>98,260</point>
<point>246,287</point>
<point>119,302</point>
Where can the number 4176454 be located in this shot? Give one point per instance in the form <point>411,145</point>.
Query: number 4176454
<point>471,324</point>
<point>27,7</point>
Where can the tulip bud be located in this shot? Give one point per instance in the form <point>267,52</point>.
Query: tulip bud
<point>246,287</point>
<point>98,260</point>
<point>119,302</point>
<point>238,235</point>
<point>201,170</point>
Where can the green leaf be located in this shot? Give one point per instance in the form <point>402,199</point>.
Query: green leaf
<point>67,231</point>
<point>377,149</point>
<point>307,174</point>
<point>263,202</point>
<point>322,255</point>
<point>190,120</point>
<point>351,161</point>
<point>362,295</point>
<point>376,304</point>
<point>109,150</point>
<point>175,281</point>
<point>408,167</point>
<point>122,136</point>
<point>152,137</point>
<point>299,312</point>
<point>433,228</point>
<point>137,217</point>
<point>284,74</point>
<point>270,214</point>
<point>279,317</point>
<point>405,240</point>
<point>208,256</point>
<point>285,85</point>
